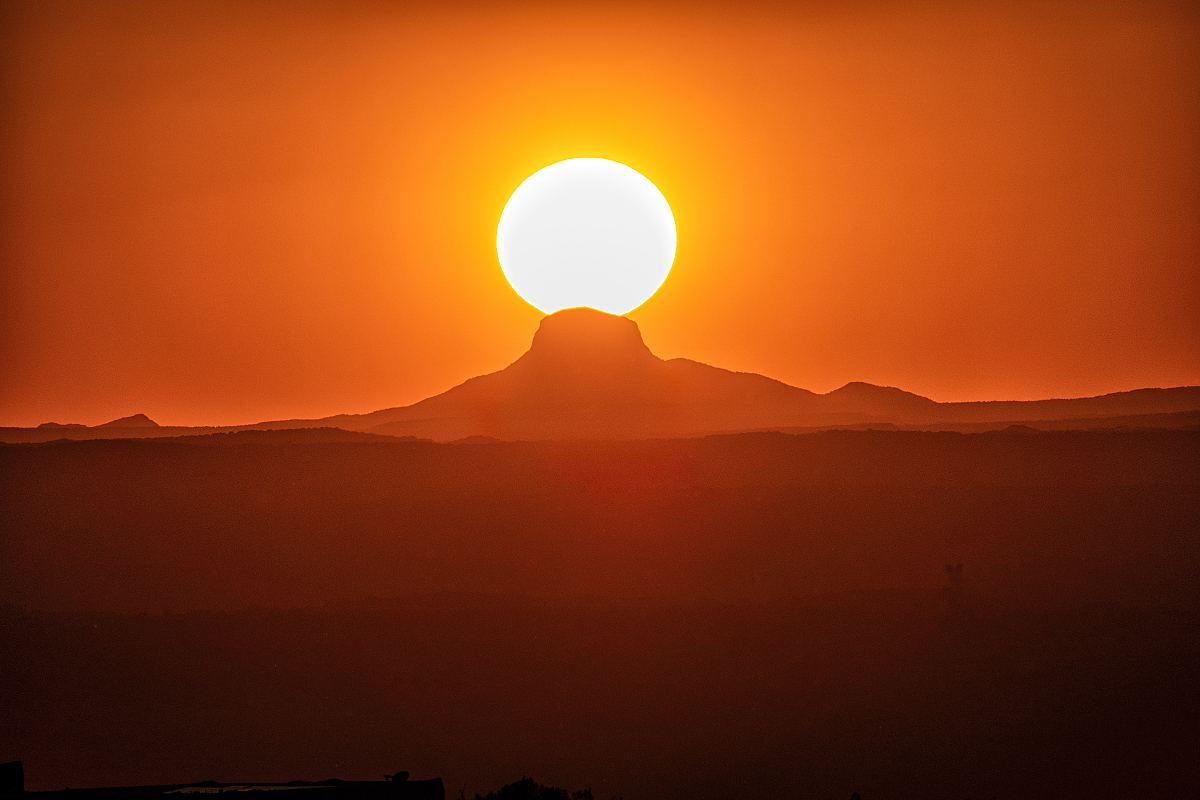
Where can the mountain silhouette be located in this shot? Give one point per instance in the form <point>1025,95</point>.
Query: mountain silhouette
<point>132,421</point>
<point>589,375</point>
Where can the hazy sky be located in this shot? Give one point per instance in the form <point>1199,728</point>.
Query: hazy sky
<point>226,212</point>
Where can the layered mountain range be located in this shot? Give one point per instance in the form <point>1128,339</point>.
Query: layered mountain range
<point>589,375</point>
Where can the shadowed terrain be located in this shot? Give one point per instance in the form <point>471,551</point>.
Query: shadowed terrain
<point>738,616</point>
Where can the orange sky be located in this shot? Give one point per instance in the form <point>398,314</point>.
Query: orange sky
<point>232,212</point>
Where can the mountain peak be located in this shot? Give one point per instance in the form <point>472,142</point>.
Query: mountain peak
<point>862,388</point>
<point>132,421</point>
<point>586,336</point>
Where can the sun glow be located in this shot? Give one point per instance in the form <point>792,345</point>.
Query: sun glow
<point>586,232</point>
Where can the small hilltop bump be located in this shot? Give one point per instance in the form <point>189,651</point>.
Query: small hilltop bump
<point>132,421</point>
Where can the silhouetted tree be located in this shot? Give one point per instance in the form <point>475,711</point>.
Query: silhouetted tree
<point>529,789</point>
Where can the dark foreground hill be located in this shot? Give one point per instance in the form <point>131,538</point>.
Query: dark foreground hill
<point>268,519</point>
<point>589,375</point>
<point>735,617</point>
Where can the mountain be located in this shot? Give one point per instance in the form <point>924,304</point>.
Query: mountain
<point>589,375</point>
<point>133,421</point>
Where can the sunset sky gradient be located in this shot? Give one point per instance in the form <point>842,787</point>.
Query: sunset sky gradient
<point>230,212</point>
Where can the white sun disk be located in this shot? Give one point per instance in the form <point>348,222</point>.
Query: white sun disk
<point>586,232</point>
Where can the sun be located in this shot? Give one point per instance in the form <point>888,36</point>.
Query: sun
<point>586,232</point>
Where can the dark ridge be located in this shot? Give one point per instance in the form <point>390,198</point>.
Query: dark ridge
<point>132,421</point>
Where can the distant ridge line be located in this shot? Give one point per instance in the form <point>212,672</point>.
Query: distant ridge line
<point>590,375</point>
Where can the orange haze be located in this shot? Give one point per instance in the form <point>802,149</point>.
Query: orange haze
<point>226,212</point>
